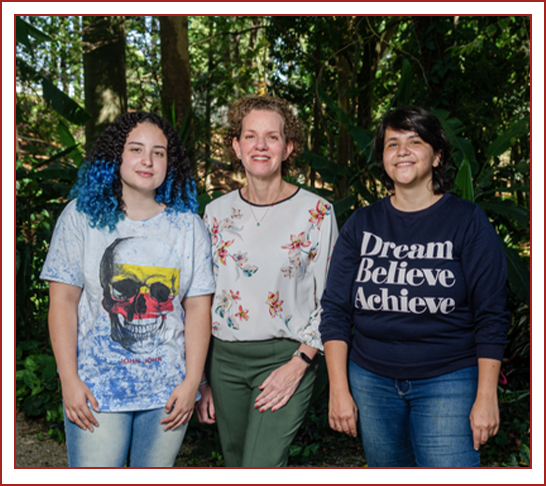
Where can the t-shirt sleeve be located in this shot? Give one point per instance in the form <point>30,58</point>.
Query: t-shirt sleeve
<point>65,256</point>
<point>202,281</point>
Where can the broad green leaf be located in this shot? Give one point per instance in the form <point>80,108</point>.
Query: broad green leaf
<point>507,209</point>
<point>511,190</point>
<point>66,136</point>
<point>455,125</point>
<point>325,193</point>
<point>519,276</point>
<point>29,30</point>
<point>295,450</point>
<point>184,129</point>
<point>452,126</point>
<point>57,156</point>
<point>463,181</point>
<point>204,198</point>
<point>362,137</point>
<point>55,172</point>
<point>342,117</point>
<point>21,32</point>
<point>27,71</point>
<point>405,85</point>
<point>523,167</point>
<point>503,142</point>
<point>54,190</point>
<point>63,104</point>
<point>344,205</point>
<point>320,164</point>
<point>363,191</point>
<point>30,363</point>
<point>525,454</point>
<point>512,461</point>
<point>68,141</point>
<point>466,147</point>
<point>502,438</point>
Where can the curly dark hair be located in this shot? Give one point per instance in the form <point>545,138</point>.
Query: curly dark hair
<point>429,128</point>
<point>98,189</point>
<point>242,107</point>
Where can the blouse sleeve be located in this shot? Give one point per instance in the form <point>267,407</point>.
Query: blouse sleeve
<point>310,334</point>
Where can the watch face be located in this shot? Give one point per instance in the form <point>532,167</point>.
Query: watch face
<point>303,356</point>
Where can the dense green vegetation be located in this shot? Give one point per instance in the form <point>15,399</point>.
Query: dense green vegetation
<point>342,74</point>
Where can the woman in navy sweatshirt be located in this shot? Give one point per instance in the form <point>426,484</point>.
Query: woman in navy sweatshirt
<point>414,322</point>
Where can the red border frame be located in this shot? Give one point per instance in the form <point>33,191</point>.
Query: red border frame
<point>304,475</point>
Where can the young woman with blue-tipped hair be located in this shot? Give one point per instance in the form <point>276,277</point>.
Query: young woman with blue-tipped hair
<point>414,319</point>
<point>130,280</point>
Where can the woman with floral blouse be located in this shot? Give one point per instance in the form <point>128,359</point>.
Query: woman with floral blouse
<point>271,245</point>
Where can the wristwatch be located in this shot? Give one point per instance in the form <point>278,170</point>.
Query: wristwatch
<point>303,356</point>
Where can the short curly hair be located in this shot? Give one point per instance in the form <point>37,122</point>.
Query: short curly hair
<point>243,106</point>
<point>98,189</point>
<point>429,128</point>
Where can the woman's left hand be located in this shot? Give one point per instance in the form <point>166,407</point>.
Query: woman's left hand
<point>280,385</point>
<point>179,406</point>
<point>204,408</point>
<point>484,420</point>
<point>484,416</point>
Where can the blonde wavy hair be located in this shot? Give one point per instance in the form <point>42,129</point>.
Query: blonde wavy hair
<point>291,127</point>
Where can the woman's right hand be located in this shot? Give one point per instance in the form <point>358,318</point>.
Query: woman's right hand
<point>204,408</point>
<point>342,412</point>
<point>76,394</point>
<point>63,330</point>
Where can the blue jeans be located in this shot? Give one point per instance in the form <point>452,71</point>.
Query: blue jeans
<point>135,438</point>
<point>408,423</point>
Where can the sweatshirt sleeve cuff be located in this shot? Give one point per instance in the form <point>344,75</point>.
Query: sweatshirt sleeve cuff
<point>491,351</point>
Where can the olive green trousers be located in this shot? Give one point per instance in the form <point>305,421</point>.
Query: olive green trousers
<point>251,438</point>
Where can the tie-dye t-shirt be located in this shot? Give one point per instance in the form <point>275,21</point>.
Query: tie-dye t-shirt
<point>131,349</point>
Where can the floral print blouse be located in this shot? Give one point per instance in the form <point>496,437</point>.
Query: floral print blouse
<point>270,276</point>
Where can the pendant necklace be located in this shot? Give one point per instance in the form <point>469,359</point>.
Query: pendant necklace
<point>259,221</point>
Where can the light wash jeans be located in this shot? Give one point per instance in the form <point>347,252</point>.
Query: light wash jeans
<point>133,438</point>
<point>423,423</point>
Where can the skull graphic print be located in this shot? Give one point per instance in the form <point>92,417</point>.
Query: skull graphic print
<point>138,297</point>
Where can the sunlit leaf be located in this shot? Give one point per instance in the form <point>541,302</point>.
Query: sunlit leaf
<point>503,142</point>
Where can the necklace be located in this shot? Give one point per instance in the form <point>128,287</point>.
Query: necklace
<point>259,221</point>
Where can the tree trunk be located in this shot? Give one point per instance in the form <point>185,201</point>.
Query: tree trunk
<point>104,72</point>
<point>316,108</point>
<point>345,141</point>
<point>376,43</point>
<point>175,66</point>
<point>208,98</point>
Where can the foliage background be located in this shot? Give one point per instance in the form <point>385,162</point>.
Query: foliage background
<point>473,72</point>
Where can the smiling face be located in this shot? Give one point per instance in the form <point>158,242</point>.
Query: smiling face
<point>262,146</point>
<point>408,159</point>
<point>143,160</point>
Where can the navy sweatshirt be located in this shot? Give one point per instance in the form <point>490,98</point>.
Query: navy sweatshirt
<point>424,290</point>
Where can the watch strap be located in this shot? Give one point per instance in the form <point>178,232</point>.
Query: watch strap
<point>303,356</point>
